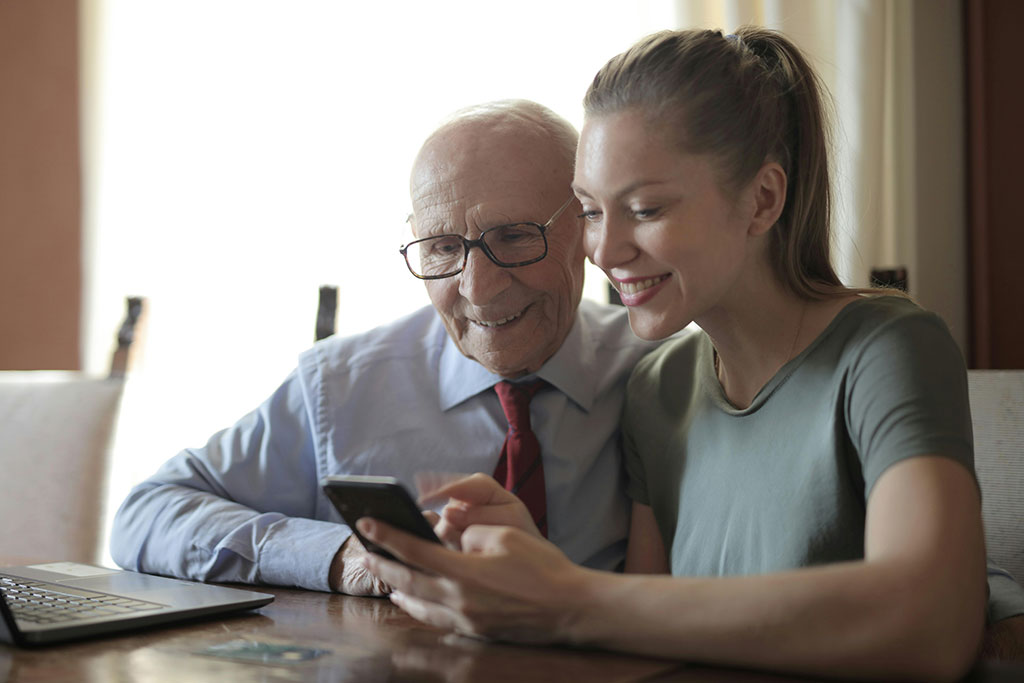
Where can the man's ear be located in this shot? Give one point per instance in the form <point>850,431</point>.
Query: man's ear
<point>411,220</point>
<point>769,186</point>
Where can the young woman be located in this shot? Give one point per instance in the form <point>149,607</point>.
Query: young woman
<point>802,467</point>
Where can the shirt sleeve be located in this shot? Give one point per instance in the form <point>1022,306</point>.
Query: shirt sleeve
<point>907,396</point>
<point>239,509</point>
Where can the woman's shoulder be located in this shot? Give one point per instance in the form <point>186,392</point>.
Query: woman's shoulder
<point>892,326</point>
<point>868,316</point>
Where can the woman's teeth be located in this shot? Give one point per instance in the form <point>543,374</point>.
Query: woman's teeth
<point>641,285</point>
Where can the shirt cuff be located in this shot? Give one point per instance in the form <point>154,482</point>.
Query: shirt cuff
<point>298,552</point>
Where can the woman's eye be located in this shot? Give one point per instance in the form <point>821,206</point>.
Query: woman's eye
<point>643,213</point>
<point>590,215</point>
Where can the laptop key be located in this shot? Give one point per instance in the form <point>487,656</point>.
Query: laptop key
<point>78,592</point>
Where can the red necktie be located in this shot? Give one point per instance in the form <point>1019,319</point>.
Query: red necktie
<point>519,468</point>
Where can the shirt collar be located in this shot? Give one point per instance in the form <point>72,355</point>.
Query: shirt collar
<point>570,370</point>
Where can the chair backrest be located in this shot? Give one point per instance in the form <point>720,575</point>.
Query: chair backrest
<point>327,312</point>
<point>997,411</point>
<point>55,436</point>
<point>56,430</point>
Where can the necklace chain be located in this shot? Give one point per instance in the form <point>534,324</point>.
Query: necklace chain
<point>792,348</point>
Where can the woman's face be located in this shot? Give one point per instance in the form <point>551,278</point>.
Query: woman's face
<point>658,224</point>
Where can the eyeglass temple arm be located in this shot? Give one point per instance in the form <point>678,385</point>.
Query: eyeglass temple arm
<point>561,209</point>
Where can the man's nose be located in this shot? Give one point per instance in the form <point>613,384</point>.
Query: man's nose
<point>482,279</point>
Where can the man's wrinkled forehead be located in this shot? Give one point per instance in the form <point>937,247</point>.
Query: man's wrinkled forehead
<point>461,153</point>
<point>483,174</point>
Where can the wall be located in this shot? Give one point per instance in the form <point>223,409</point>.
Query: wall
<point>40,265</point>
<point>996,214</point>
<point>40,212</point>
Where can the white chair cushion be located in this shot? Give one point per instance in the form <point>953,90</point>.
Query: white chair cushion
<point>55,434</point>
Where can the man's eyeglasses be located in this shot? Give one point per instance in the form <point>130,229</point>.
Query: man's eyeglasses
<point>508,246</point>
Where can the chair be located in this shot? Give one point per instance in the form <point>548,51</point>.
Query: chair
<point>327,312</point>
<point>56,429</point>
<point>997,410</point>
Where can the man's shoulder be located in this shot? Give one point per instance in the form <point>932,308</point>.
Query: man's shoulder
<point>413,338</point>
<point>678,352</point>
<point>608,327</point>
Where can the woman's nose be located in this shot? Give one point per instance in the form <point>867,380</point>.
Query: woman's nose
<point>607,243</point>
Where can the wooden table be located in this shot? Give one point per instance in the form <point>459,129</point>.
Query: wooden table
<point>363,639</point>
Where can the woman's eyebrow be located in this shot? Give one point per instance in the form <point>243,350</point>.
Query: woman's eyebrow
<point>632,187</point>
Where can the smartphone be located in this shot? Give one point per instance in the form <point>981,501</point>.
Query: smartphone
<point>382,498</point>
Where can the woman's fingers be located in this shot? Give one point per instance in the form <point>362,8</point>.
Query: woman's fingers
<point>507,583</point>
<point>407,580</point>
<point>411,550</point>
<point>512,513</point>
<point>428,612</point>
<point>432,517</point>
<point>476,489</point>
<point>450,534</point>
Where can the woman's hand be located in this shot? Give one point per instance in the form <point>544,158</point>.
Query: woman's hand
<point>506,584</point>
<point>477,499</point>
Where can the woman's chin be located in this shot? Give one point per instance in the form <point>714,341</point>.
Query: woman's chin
<point>650,328</point>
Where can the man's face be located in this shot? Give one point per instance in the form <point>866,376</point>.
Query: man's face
<point>469,179</point>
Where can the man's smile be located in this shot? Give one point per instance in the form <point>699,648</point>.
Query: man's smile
<point>498,322</point>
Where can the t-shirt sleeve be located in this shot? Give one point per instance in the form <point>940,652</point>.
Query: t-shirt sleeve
<point>907,396</point>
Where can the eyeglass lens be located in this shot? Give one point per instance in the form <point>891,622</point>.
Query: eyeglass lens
<point>508,245</point>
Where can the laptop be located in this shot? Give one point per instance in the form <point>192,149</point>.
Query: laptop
<point>60,601</point>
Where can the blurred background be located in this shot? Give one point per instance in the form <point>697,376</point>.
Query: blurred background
<point>225,158</point>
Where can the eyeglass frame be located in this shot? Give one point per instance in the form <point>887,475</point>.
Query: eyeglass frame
<point>468,244</point>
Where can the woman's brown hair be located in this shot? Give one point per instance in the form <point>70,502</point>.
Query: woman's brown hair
<point>745,99</point>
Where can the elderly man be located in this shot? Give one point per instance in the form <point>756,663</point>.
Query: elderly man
<point>499,245</point>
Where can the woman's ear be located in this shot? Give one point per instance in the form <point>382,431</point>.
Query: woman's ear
<point>769,186</point>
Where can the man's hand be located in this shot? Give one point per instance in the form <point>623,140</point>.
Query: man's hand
<point>350,576</point>
<point>477,499</point>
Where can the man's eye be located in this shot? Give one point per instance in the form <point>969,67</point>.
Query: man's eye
<point>444,247</point>
<point>513,234</point>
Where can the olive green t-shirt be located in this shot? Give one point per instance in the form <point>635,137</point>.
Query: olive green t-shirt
<point>783,483</point>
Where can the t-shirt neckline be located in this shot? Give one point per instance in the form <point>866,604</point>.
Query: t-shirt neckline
<point>709,378</point>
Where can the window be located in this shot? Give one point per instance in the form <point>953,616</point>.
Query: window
<point>233,147</point>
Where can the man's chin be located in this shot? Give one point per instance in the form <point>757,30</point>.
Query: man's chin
<point>506,365</point>
<point>511,350</point>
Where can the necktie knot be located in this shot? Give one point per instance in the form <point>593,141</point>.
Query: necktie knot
<point>515,402</point>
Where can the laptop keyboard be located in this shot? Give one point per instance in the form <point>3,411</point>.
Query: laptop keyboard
<point>38,602</point>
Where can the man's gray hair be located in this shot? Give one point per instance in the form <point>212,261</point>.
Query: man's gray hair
<point>514,113</point>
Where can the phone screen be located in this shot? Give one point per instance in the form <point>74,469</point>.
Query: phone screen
<point>382,498</point>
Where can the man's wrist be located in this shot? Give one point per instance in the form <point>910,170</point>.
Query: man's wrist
<point>337,571</point>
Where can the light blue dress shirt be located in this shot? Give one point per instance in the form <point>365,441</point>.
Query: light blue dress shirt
<point>394,401</point>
